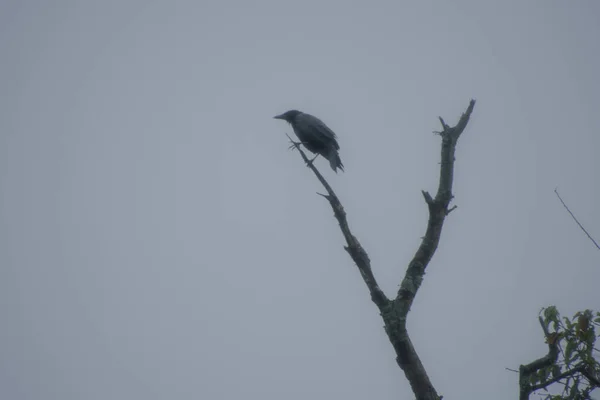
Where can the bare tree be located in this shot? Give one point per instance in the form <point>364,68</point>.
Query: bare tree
<point>395,311</point>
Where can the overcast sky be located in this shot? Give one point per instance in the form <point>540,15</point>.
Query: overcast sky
<point>159,241</point>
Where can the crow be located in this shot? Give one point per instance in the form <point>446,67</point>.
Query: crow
<point>315,136</point>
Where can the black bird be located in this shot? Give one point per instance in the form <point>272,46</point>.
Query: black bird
<point>315,136</point>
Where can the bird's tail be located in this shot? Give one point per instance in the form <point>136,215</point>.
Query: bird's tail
<point>335,161</point>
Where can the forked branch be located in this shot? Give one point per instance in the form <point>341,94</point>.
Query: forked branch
<point>394,311</point>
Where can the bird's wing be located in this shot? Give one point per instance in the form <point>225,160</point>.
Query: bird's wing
<point>319,129</point>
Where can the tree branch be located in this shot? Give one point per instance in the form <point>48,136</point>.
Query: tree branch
<point>407,356</point>
<point>557,378</point>
<point>394,312</point>
<point>573,216</point>
<point>353,246</point>
<point>438,210</point>
<point>591,376</point>
<point>525,371</point>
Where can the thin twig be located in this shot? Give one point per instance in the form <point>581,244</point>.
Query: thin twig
<point>581,226</point>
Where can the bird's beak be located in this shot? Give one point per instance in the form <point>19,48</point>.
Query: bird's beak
<point>279,116</point>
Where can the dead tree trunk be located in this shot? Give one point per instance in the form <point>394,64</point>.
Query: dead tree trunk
<point>394,311</point>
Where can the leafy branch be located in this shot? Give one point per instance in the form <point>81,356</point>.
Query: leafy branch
<point>577,370</point>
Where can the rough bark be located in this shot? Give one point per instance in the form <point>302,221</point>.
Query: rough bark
<point>394,312</point>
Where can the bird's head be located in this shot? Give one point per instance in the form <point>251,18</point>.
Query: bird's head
<point>288,116</point>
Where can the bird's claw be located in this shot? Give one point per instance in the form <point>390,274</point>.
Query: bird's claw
<point>294,145</point>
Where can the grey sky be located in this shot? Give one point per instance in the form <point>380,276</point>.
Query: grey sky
<point>158,241</point>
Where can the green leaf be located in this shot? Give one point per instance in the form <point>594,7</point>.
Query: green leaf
<point>555,370</point>
<point>571,345</point>
<point>533,379</point>
<point>576,357</point>
<point>550,314</point>
<point>574,392</point>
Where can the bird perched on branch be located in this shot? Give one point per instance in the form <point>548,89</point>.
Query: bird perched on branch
<point>315,136</point>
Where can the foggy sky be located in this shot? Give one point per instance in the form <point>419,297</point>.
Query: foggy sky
<point>159,241</point>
